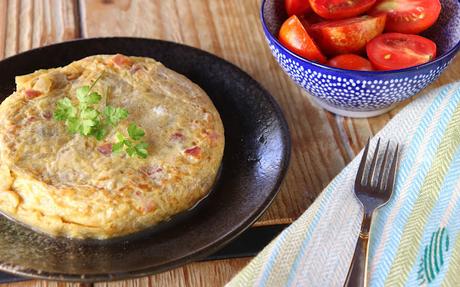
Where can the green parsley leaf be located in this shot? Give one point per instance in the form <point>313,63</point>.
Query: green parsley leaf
<point>91,99</point>
<point>142,145</point>
<point>141,149</point>
<point>121,142</point>
<point>85,127</point>
<point>120,137</point>
<point>135,132</point>
<point>99,134</point>
<point>130,151</point>
<point>73,125</point>
<point>82,92</point>
<point>64,110</point>
<point>115,115</point>
<point>117,147</point>
<point>89,114</point>
<point>99,131</point>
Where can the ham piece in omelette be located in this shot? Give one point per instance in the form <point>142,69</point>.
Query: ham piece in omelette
<point>72,185</point>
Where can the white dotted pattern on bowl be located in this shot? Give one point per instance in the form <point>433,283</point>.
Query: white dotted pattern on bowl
<point>346,92</point>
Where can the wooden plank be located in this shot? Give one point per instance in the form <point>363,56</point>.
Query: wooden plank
<point>218,26</point>
<point>212,273</point>
<point>28,24</point>
<point>3,28</point>
<point>209,273</point>
<point>322,143</point>
<point>36,283</point>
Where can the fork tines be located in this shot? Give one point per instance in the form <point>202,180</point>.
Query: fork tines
<point>381,166</point>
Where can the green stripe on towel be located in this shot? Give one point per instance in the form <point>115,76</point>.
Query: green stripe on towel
<point>411,240</point>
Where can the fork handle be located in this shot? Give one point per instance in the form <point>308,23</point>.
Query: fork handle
<point>357,274</point>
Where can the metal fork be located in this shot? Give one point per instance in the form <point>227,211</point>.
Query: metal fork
<point>373,191</point>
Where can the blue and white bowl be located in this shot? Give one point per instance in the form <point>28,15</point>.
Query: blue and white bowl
<point>363,93</point>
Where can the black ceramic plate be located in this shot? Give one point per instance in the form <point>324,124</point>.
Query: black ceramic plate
<point>257,149</point>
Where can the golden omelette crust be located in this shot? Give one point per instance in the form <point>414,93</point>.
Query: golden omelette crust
<point>71,185</point>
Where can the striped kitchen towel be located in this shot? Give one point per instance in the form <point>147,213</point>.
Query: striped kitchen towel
<point>415,239</point>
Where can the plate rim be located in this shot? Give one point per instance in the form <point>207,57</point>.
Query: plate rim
<point>197,253</point>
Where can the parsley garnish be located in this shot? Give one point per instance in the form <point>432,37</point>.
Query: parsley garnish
<point>135,132</point>
<point>83,119</point>
<point>87,120</point>
<point>86,97</point>
<point>141,149</point>
<point>64,110</point>
<point>131,147</point>
<point>114,115</point>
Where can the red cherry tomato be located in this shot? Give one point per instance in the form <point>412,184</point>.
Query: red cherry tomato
<point>408,16</point>
<point>394,51</point>
<point>340,9</point>
<point>297,7</point>
<point>347,36</point>
<point>350,62</point>
<point>294,36</point>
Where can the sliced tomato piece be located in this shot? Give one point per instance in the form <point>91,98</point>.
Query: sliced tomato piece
<point>347,36</point>
<point>408,16</point>
<point>340,9</point>
<point>350,62</point>
<point>297,7</point>
<point>122,60</point>
<point>394,51</point>
<point>295,37</point>
<point>30,94</point>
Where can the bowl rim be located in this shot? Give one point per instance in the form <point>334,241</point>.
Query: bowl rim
<point>450,52</point>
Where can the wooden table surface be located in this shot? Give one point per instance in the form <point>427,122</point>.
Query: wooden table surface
<point>322,144</point>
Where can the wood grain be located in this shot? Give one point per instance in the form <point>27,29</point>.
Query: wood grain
<point>322,143</point>
<point>211,273</point>
<point>28,24</point>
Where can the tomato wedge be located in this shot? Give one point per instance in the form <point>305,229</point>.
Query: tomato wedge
<point>394,51</point>
<point>297,7</point>
<point>408,16</point>
<point>295,37</point>
<point>350,62</point>
<point>340,9</point>
<point>347,36</point>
